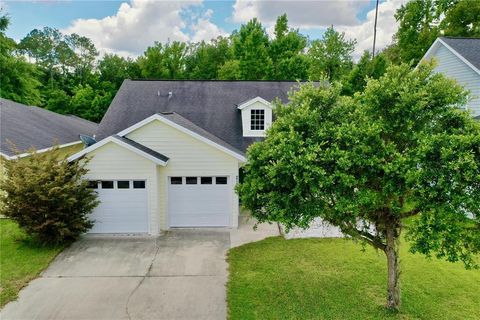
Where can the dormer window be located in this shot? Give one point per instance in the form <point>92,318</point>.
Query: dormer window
<point>257,119</point>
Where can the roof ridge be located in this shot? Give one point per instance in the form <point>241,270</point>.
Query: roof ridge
<point>212,80</point>
<point>468,38</point>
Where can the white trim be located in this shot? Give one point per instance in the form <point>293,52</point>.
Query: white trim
<point>26,154</point>
<point>120,143</point>
<point>184,130</point>
<point>254,100</point>
<point>458,55</point>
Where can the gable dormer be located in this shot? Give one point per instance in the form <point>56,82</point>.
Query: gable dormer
<point>256,117</point>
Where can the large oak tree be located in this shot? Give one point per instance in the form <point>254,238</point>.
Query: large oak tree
<point>401,149</point>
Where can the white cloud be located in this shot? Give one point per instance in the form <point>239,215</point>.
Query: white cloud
<point>343,15</point>
<point>139,23</point>
<point>386,27</point>
<point>301,14</point>
<point>204,29</point>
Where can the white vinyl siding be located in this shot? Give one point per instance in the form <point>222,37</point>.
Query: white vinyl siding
<point>188,157</point>
<point>113,162</point>
<point>451,66</point>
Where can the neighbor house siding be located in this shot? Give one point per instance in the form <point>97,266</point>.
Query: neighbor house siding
<point>113,162</point>
<point>451,66</point>
<point>188,157</point>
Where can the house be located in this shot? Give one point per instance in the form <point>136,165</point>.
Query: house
<point>459,58</point>
<point>28,127</point>
<point>169,152</point>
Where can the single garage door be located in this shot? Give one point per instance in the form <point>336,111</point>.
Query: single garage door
<point>122,208</point>
<point>199,201</point>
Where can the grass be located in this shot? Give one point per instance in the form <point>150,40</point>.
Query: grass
<point>334,279</point>
<point>20,260</point>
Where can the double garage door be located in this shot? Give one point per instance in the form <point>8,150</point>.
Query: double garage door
<point>192,202</point>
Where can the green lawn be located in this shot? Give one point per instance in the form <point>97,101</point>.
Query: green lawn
<point>20,260</point>
<point>334,279</point>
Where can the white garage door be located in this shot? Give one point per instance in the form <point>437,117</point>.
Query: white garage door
<point>122,208</point>
<point>199,201</point>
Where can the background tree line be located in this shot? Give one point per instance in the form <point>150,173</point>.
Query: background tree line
<point>64,72</point>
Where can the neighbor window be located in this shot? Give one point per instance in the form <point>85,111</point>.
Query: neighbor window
<point>123,184</point>
<point>221,180</point>
<point>191,180</point>
<point>257,119</point>
<point>107,184</point>
<point>176,180</point>
<point>206,180</point>
<point>139,184</point>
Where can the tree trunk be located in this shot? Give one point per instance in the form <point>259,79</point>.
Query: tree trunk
<point>391,250</point>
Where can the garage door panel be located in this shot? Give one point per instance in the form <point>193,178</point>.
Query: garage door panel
<point>199,205</point>
<point>121,211</point>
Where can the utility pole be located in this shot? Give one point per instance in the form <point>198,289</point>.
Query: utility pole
<point>375,30</point>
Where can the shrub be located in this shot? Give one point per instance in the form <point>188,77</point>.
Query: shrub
<point>47,197</point>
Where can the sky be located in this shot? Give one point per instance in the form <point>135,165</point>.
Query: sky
<point>128,27</point>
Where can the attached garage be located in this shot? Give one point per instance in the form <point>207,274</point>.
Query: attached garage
<point>199,201</point>
<point>122,208</point>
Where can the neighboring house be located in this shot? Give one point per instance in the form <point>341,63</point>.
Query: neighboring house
<point>459,58</point>
<point>27,128</point>
<point>169,152</point>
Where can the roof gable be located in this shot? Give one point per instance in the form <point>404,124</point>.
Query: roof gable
<point>248,103</point>
<point>184,125</point>
<point>466,49</point>
<point>131,145</point>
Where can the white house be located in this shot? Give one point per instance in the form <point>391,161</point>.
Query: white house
<point>459,58</point>
<point>169,152</point>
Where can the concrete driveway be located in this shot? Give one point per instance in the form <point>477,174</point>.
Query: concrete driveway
<point>179,275</point>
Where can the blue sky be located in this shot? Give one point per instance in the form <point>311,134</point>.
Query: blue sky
<point>147,21</point>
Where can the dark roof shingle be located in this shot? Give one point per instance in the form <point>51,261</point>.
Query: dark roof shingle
<point>209,105</point>
<point>33,127</point>
<point>143,148</point>
<point>469,48</point>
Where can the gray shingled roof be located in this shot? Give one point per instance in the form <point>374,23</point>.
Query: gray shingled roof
<point>32,127</point>
<point>209,105</point>
<point>469,48</point>
<point>143,148</point>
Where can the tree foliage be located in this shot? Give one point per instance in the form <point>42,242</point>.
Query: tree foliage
<point>463,19</point>
<point>250,47</point>
<point>286,52</point>
<point>18,78</point>
<point>47,197</point>
<point>64,70</point>
<point>331,56</point>
<point>366,68</point>
<point>422,21</point>
<point>399,149</point>
<point>164,61</point>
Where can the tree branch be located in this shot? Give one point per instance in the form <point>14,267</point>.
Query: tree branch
<point>371,239</point>
<point>410,213</point>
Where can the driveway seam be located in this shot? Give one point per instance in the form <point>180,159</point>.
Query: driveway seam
<point>143,278</point>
